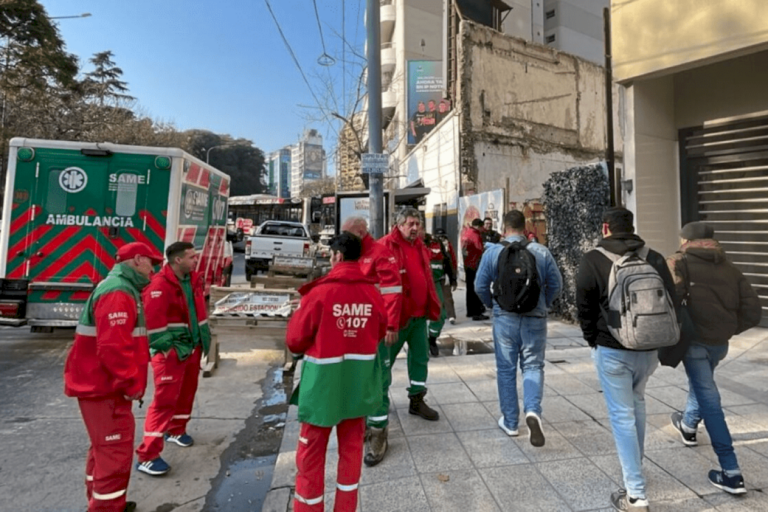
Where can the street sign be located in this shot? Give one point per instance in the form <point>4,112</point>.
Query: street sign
<point>374,163</point>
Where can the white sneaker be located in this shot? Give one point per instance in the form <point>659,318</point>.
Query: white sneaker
<point>452,321</point>
<point>535,433</point>
<point>510,433</point>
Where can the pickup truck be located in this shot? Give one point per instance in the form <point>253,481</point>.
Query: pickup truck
<point>276,237</point>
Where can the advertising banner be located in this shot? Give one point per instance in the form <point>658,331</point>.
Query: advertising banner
<point>426,106</point>
<point>479,206</point>
<point>358,206</point>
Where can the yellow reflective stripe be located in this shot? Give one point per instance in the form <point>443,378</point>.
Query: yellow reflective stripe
<point>391,289</point>
<point>378,418</point>
<point>109,496</point>
<point>181,416</point>
<point>153,434</point>
<point>312,501</point>
<point>89,478</point>
<point>139,331</point>
<point>158,330</point>
<point>303,440</point>
<point>417,383</point>
<point>172,326</point>
<point>347,488</point>
<point>202,322</point>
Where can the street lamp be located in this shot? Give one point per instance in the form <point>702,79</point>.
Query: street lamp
<point>83,15</point>
<point>208,152</point>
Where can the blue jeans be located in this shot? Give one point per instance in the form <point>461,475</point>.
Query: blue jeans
<point>519,338</point>
<point>704,400</point>
<point>623,375</point>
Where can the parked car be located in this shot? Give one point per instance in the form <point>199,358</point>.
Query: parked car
<point>276,237</point>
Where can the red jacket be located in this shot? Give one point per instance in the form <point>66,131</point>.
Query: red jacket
<point>378,263</point>
<point>110,354</point>
<point>168,318</point>
<point>395,242</point>
<point>471,247</point>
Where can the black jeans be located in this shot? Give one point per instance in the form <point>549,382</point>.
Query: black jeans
<point>474,304</point>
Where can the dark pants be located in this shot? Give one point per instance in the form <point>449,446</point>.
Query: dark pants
<point>450,309</point>
<point>474,304</point>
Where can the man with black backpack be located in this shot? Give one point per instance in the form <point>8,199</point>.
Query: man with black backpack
<point>519,280</point>
<point>624,296</point>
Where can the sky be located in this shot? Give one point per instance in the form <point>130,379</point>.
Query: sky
<point>222,66</point>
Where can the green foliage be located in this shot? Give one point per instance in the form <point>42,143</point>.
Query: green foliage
<point>41,97</point>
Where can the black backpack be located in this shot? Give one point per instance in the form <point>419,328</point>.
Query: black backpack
<point>517,287</point>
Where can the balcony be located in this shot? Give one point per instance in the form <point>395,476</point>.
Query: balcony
<point>388,105</point>
<point>388,57</point>
<point>387,18</point>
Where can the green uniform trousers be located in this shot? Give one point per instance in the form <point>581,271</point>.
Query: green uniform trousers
<point>415,334</point>
<point>436,327</point>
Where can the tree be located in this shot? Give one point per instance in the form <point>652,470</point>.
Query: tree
<point>319,187</point>
<point>36,70</point>
<point>103,83</point>
<point>237,157</point>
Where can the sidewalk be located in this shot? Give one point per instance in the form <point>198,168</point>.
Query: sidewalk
<point>465,463</point>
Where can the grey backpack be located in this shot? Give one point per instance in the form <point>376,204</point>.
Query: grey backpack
<point>641,315</point>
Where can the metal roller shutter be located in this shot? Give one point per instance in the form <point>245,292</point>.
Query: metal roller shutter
<point>724,182</point>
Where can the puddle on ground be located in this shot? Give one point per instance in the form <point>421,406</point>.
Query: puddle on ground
<point>246,484</point>
<point>450,346</point>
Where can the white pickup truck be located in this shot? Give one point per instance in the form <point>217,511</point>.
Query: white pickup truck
<point>276,237</point>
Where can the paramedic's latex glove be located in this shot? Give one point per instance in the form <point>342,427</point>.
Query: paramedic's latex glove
<point>391,338</point>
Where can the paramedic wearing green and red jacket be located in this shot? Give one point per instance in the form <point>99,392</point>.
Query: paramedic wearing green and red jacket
<point>177,324</point>
<point>106,370</point>
<point>337,328</point>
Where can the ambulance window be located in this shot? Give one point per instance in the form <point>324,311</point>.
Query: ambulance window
<point>125,204</point>
<point>56,200</point>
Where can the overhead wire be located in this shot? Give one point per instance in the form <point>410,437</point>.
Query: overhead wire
<point>326,114</point>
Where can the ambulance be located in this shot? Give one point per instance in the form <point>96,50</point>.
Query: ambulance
<point>69,206</point>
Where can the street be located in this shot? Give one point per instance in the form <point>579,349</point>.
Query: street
<point>236,426</point>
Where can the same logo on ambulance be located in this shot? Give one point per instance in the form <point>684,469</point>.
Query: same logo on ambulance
<point>73,180</point>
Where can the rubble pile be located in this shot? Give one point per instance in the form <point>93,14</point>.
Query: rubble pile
<point>574,201</point>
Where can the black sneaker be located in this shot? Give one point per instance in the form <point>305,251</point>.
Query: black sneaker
<point>535,433</point>
<point>479,318</point>
<point>689,439</point>
<point>130,506</point>
<point>729,484</point>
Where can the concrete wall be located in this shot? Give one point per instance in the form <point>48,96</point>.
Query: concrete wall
<point>664,36</point>
<point>527,110</point>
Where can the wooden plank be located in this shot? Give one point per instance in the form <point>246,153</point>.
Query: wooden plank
<point>211,361</point>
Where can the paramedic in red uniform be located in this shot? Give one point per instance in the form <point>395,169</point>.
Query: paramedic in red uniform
<point>177,324</point>
<point>106,370</point>
<point>337,328</point>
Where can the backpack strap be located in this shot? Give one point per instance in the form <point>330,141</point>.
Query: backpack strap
<point>611,256</point>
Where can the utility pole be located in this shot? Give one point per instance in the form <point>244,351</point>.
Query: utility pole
<point>373,54</point>
<point>610,156</point>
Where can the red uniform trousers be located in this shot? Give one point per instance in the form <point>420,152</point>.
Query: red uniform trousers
<point>310,461</point>
<point>110,425</point>
<point>169,413</point>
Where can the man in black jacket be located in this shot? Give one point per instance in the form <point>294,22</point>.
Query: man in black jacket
<point>623,373</point>
<point>721,303</point>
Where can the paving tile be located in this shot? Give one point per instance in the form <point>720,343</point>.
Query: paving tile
<point>458,491</point>
<point>573,367</point>
<point>673,376</point>
<point>397,464</point>
<point>490,448</point>
<point>589,437</point>
<point>416,425</point>
<point>757,413</point>
<point>455,393</point>
<point>592,405</point>
<point>557,409</point>
<point>406,494</point>
<point>688,505</point>
<point>485,390</point>
<point>568,385</point>
<point>330,499</point>
<point>687,466</point>
<point>754,466</point>
<point>729,398</point>
<point>471,416</point>
<point>653,406</point>
<point>659,484</point>
<point>520,488</point>
<point>752,502</point>
<point>441,374</point>
<point>672,396</point>
<point>475,372</point>
<point>556,447</point>
<point>578,481</point>
<point>438,452</point>
<point>494,408</point>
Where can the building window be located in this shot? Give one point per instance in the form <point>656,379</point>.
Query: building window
<point>550,14</point>
<point>550,39</point>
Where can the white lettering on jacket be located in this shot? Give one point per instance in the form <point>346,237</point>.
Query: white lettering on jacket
<point>352,309</point>
<point>113,437</point>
